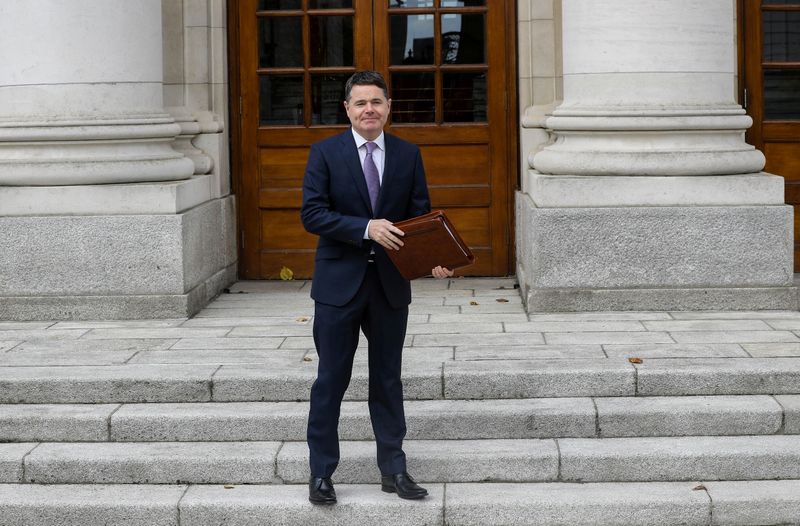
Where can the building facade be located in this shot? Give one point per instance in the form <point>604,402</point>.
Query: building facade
<point>151,152</point>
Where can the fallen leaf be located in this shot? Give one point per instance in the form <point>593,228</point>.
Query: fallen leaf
<point>699,488</point>
<point>307,359</point>
<point>228,486</point>
<point>635,360</point>
<point>473,302</point>
<point>302,319</point>
<point>501,300</point>
<point>286,274</point>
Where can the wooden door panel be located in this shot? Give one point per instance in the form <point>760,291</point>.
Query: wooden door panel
<point>280,198</point>
<point>467,164</point>
<point>472,225</point>
<point>281,177</point>
<point>454,196</point>
<point>290,102</point>
<point>281,166</point>
<point>281,230</point>
<point>784,158</point>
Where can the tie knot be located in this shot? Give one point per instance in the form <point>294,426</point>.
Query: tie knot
<point>371,147</point>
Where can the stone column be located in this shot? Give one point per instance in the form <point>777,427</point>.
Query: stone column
<point>81,94</point>
<point>100,217</point>
<point>647,196</point>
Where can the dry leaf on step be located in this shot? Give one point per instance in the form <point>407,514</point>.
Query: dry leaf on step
<point>286,274</point>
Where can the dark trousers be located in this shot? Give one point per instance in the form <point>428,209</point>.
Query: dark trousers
<point>336,338</point>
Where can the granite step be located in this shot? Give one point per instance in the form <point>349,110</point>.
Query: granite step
<point>598,504</point>
<point>431,461</point>
<point>426,419</point>
<point>289,378</point>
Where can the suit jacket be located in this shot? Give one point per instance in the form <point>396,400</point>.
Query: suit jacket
<point>336,207</point>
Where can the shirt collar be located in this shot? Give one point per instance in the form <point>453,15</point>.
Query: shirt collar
<point>360,141</point>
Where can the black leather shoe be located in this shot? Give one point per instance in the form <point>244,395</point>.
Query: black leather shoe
<point>320,491</point>
<point>403,485</point>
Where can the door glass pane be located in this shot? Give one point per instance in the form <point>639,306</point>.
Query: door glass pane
<point>781,94</point>
<point>410,3</point>
<point>782,36</point>
<point>281,99</point>
<point>280,42</point>
<point>278,5</point>
<point>411,39</point>
<point>463,39</point>
<point>779,2</point>
<point>413,97</point>
<point>327,96</point>
<point>331,40</point>
<point>463,3</point>
<point>464,97</point>
<point>330,4</point>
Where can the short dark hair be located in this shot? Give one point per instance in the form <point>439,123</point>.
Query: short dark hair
<point>365,78</point>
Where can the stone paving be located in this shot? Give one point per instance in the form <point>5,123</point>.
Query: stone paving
<point>459,319</point>
<point>514,418</point>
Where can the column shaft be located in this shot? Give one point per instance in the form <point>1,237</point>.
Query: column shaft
<point>81,94</point>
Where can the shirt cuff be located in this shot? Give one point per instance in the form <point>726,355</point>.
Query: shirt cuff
<point>366,230</point>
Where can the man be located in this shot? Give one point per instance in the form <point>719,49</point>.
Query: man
<point>356,185</point>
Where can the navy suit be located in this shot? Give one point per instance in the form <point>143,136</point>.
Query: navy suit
<point>351,294</point>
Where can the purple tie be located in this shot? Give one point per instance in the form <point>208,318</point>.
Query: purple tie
<point>371,175</point>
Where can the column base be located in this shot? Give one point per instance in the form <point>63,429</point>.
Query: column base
<point>655,257</point>
<point>116,307</point>
<point>672,299</point>
<point>61,267</point>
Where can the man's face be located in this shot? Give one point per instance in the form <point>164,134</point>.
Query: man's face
<point>368,110</point>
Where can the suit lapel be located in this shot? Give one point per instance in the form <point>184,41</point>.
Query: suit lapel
<point>353,163</point>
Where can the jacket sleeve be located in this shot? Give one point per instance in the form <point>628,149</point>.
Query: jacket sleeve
<point>420,202</point>
<point>316,213</point>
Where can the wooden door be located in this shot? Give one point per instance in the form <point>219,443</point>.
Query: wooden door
<point>770,51</point>
<point>453,94</point>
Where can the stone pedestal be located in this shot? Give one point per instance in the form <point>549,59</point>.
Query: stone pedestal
<point>647,197</point>
<point>100,216</point>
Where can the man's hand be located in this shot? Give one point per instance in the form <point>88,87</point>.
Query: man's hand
<point>441,273</point>
<point>385,234</point>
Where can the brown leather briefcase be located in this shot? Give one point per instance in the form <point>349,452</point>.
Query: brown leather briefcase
<point>430,241</point>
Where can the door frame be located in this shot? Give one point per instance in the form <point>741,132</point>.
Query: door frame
<point>247,264</point>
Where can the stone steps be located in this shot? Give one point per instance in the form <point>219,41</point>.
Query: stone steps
<point>656,459</point>
<point>452,504</point>
<point>151,437</point>
<point>289,378</point>
<point>426,419</point>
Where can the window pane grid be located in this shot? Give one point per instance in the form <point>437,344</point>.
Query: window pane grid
<point>306,53</point>
<point>437,61</point>
<point>781,36</point>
